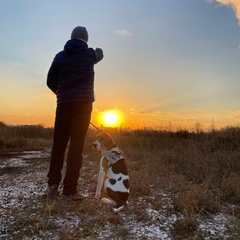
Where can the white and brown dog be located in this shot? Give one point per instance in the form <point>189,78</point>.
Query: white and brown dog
<point>113,166</point>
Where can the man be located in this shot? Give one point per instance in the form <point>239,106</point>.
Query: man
<point>71,78</point>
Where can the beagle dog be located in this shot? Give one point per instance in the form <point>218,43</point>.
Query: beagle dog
<point>113,166</point>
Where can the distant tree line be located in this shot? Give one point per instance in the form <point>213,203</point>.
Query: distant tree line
<point>26,131</point>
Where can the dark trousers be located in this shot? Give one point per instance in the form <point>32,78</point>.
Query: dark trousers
<point>71,124</point>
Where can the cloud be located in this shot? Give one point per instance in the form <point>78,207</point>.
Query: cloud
<point>234,4</point>
<point>236,115</point>
<point>123,33</point>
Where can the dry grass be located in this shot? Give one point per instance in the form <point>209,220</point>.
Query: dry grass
<point>184,228</point>
<point>25,137</point>
<point>18,144</point>
<point>233,229</point>
<point>200,171</point>
<point>197,199</point>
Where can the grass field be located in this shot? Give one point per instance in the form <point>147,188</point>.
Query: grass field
<point>183,186</point>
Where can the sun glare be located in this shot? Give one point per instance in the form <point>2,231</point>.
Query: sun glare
<point>111,118</point>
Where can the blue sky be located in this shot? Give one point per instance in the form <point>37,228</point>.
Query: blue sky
<point>165,60</point>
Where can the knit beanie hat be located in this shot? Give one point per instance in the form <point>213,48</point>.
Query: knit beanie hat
<point>80,33</point>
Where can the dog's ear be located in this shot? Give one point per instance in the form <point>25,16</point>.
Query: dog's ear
<point>108,141</point>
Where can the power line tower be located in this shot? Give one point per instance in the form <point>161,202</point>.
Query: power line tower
<point>212,125</point>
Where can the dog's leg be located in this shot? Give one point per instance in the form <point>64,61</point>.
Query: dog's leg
<point>100,180</point>
<point>112,204</point>
<point>108,201</point>
<point>100,183</point>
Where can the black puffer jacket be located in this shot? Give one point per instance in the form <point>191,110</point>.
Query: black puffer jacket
<point>71,75</point>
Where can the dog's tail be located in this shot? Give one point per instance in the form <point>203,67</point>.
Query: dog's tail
<point>118,209</point>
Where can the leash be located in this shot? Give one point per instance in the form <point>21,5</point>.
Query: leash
<point>95,127</point>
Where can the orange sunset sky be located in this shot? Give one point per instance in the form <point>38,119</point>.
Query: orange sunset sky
<point>167,63</point>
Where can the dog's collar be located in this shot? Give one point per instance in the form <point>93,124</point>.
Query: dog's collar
<point>113,155</point>
<point>113,147</point>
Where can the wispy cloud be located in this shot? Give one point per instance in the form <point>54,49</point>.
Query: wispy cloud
<point>123,33</point>
<point>234,4</point>
<point>236,115</point>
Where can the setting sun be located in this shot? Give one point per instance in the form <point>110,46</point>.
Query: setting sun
<point>111,118</point>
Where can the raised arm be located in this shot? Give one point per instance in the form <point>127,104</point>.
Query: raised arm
<point>99,54</point>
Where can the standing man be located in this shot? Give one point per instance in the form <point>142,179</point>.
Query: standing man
<point>71,78</point>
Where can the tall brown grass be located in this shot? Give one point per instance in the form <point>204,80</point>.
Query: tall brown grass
<point>23,137</point>
<point>200,172</point>
<point>200,169</point>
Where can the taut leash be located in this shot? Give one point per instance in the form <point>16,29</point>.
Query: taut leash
<point>95,127</point>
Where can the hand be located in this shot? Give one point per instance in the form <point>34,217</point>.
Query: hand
<point>99,49</point>
<point>99,53</point>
